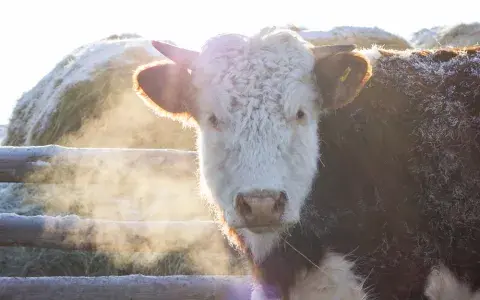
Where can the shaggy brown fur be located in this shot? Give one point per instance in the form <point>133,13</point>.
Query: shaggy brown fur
<point>399,179</point>
<point>401,182</point>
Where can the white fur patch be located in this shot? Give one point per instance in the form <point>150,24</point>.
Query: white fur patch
<point>373,54</point>
<point>443,285</point>
<point>260,244</point>
<point>334,280</point>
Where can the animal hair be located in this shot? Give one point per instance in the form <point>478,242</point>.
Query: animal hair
<point>392,179</point>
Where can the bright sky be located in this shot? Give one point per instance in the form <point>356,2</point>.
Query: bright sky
<point>36,34</point>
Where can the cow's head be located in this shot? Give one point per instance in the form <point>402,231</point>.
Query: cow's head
<point>255,102</point>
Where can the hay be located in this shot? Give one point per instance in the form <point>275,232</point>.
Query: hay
<point>92,105</point>
<point>461,35</point>
<point>363,37</point>
<point>87,101</point>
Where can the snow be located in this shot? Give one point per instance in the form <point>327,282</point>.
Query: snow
<point>78,66</point>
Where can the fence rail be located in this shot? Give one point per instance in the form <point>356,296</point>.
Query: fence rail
<point>35,164</point>
<point>75,233</point>
<point>39,164</point>
<point>130,287</point>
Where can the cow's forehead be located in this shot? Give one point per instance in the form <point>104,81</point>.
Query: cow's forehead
<point>254,72</point>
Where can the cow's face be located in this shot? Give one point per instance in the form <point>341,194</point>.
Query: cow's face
<point>255,102</point>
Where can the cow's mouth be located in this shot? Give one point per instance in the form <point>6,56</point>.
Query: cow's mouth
<point>262,228</point>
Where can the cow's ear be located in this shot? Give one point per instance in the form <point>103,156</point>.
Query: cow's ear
<point>341,77</point>
<point>166,88</point>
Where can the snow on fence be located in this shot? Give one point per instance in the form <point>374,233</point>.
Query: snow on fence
<point>37,164</point>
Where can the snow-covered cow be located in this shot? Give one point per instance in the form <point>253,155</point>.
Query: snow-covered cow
<point>366,217</point>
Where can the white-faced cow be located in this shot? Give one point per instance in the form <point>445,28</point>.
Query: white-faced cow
<point>393,190</point>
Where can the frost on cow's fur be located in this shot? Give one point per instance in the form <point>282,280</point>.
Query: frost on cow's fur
<point>402,163</point>
<point>256,85</point>
<point>387,191</point>
<point>446,143</point>
<point>254,88</point>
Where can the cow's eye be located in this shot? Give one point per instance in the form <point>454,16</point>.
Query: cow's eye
<point>213,120</point>
<point>300,114</point>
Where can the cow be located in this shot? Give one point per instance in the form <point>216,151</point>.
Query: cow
<point>340,173</point>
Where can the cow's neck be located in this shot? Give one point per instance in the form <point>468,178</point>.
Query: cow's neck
<point>279,258</point>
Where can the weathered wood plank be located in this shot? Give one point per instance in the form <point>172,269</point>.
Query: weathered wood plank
<point>74,233</point>
<point>131,287</point>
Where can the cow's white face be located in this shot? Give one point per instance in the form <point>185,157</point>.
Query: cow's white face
<point>257,119</point>
<point>255,102</point>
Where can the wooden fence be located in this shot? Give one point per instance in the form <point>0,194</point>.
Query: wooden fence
<point>38,165</point>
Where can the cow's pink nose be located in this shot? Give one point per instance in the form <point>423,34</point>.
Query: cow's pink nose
<point>261,208</point>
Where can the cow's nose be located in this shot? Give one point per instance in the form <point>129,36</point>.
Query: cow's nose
<point>261,208</point>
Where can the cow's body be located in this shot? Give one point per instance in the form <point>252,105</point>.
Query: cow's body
<point>396,177</point>
<point>398,186</point>
<point>399,182</point>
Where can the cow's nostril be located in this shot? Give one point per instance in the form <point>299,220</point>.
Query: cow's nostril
<point>242,205</point>
<point>280,203</point>
<point>259,208</point>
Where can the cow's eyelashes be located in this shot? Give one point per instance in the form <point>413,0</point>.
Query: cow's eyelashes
<point>300,114</point>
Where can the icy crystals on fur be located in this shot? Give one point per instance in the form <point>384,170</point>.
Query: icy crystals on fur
<point>255,88</point>
<point>255,102</point>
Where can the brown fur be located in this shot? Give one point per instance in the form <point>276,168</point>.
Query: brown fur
<point>401,181</point>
